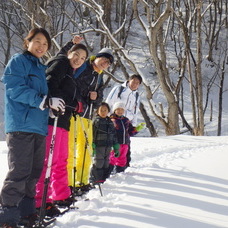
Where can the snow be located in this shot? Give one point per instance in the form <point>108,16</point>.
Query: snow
<point>173,182</point>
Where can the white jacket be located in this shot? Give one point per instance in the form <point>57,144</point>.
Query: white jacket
<point>129,98</point>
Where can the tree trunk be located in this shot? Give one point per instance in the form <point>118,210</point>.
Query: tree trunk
<point>199,90</point>
<point>149,124</point>
<point>221,96</point>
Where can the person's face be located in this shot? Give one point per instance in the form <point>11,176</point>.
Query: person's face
<point>119,111</point>
<point>77,58</point>
<point>134,84</point>
<point>102,63</point>
<point>103,111</point>
<point>38,46</point>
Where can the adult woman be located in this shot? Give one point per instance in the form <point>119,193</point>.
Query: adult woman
<point>61,83</point>
<point>26,119</point>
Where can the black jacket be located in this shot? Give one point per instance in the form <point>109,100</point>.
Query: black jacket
<point>62,84</point>
<point>90,80</point>
<point>104,133</point>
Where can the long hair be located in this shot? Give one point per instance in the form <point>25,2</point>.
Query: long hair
<point>79,46</point>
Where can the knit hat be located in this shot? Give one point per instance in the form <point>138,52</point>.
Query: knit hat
<point>107,53</point>
<point>118,105</point>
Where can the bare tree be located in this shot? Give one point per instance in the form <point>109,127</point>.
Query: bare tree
<point>173,37</point>
<point>155,36</point>
<point>199,130</point>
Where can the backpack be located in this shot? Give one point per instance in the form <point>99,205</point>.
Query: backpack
<point>136,95</point>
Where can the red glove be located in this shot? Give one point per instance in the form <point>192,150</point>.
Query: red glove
<point>79,107</point>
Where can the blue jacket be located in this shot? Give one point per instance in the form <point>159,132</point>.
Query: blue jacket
<point>25,86</point>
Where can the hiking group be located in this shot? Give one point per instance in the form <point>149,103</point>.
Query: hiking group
<point>51,132</point>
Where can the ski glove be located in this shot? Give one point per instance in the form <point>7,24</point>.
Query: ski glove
<point>116,148</point>
<point>79,107</point>
<point>57,104</point>
<point>140,126</point>
<point>54,103</point>
<point>94,149</point>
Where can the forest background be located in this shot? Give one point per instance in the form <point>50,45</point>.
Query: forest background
<point>179,47</point>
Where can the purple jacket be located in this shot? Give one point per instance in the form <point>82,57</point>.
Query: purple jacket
<point>124,128</point>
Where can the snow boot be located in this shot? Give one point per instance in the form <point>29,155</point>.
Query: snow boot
<point>27,207</point>
<point>9,216</point>
<point>119,169</point>
<point>9,225</point>
<point>64,203</point>
<point>29,221</point>
<point>108,171</point>
<point>51,210</point>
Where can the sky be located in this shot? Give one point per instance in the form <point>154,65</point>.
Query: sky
<point>173,182</point>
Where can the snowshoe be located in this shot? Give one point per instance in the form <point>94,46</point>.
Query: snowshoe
<point>9,225</point>
<point>28,221</point>
<point>51,210</point>
<point>44,223</point>
<point>79,191</point>
<point>64,203</point>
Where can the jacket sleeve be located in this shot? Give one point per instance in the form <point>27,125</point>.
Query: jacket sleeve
<point>115,139</point>
<point>56,72</point>
<point>112,97</point>
<point>131,129</point>
<point>16,79</point>
<point>135,115</point>
<point>100,94</point>
<point>65,48</point>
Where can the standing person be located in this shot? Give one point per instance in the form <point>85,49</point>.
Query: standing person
<point>104,138</point>
<point>124,130</point>
<point>128,94</point>
<point>26,120</point>
<point>61,83</point>
<point>90,81</point>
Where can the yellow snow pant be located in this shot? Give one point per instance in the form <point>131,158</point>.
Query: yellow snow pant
<point>80,151</point>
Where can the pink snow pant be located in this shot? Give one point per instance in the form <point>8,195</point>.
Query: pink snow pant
<point>58,186</point>
<point>122,159</point>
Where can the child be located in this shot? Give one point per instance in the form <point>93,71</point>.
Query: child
<point>104,138</point>
<point>124,130</point>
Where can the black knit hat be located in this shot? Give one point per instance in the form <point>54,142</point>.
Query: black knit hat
<point>107,53</point>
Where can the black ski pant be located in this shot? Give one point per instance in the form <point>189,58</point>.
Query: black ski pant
<point>25,161</point>
<point>101,163</point>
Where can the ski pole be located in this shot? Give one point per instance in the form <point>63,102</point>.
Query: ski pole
<point>91,110</point>
<point>47,175</point>
<point>85,149</point>
<point>99,185</point>
<point>74,168</point>
<point>91,104</point>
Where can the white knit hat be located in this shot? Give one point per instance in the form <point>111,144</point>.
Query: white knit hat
<point>107,53</point>
<point>118,105</point>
